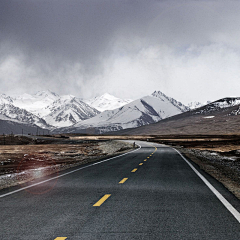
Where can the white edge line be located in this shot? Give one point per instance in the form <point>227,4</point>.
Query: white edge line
<point>230,208</point>
<point>21,189</point>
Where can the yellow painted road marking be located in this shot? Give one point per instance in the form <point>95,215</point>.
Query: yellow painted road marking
<point>147,157</point>
<point>140,164</point>
<point>102,200</point>
<point>123,180</point>
<point>134,170</point>
<point>145,160</point>
<point>60,238</point>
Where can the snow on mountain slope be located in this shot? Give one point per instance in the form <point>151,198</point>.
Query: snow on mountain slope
<point>59,111</point>
<point>37,103</point>
<point>4,99</point>
<point>235,112</point>
<point>10,112</point>
<point>149,109</point>
<point>227,102</point>
<point>194,105</point>
<point>218,105</point>
<point>47,109</point>
<point>174,102</point>
<point>107,102</point>
<point>67,111</point>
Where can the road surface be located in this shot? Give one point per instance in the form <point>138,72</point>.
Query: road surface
<point>151,193</point>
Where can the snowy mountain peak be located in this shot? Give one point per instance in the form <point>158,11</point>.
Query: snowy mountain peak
<point>158,94</point>
<point>218,105</point>
<point>107,102</point>
<point>108,96</point>
<point>163,97</point>
<point>68,111</point>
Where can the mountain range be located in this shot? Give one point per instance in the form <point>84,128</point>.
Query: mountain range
<point>67,113</point>
<point>48,110</point>
<point>143,111</point>
<point>45,109</point>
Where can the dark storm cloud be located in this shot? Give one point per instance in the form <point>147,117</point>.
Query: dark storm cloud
<point>100,44</point>
<point>67,30</point>
<point>86,30</point>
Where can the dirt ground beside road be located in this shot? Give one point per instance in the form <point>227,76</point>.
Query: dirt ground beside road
<point>21,163</point>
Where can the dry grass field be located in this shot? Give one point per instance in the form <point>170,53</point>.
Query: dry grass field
<point>25,162</point>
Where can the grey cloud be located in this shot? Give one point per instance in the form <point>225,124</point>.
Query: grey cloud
<point>69,41</point>
<point>86,31</point>
<point>72,30</point>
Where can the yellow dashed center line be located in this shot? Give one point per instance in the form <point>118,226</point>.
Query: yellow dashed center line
<point>102,200</point>
<point>123,180</point>
<point>106,196</point>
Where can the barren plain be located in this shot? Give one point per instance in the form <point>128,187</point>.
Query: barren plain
<point>29,158</point>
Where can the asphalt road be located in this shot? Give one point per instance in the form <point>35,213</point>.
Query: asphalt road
<point>159,198</point>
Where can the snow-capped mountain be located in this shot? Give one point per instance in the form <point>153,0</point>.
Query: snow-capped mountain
<point>15,115</point>
<point>10,112</point>
<point>37,103</point>
<point>217,118</point>
<point>227,102</point>
<point>59,111</point>
<point>107,102</point>
<point>174,102</point>
<point>68,111</point>
<point>4,99</point>
<point>146,110</point>
<point>195,105</point>
<point>218,105</point>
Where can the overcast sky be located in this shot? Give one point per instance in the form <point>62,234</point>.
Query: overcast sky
<point>190,50</point>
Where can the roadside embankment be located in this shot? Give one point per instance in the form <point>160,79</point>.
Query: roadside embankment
<point>226,169</point>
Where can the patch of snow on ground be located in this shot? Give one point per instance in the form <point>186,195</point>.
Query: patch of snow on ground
<point>209,117</point>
